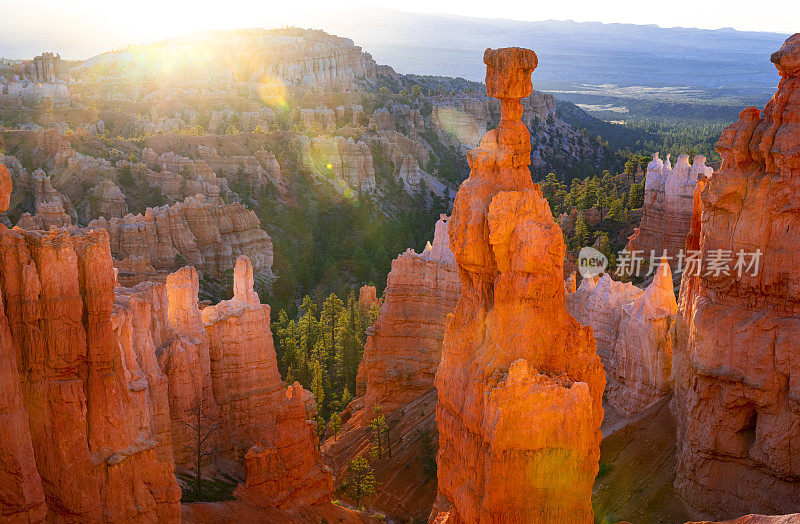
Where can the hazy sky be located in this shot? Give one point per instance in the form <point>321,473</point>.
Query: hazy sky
<point>81,28</point>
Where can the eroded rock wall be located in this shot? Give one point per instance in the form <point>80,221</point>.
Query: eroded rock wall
<point>640,365</point>
<point>201,232</point>
<point>92,433</point>
<point>98,383</point>
<point>264,425</point>
<point>22,495</point>
<point>634,332</point>
<point>401,356</point>
<point>736,378</point>
<point>404,345</point>
<point>667,210</point>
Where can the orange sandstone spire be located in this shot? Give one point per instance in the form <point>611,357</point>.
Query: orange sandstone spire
<point>520,383</point>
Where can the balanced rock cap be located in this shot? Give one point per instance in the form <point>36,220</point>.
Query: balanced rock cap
<point>508,72</point>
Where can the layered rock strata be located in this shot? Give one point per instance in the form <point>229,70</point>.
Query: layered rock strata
<point>638,373</point>
<point>367,298</point>
<point>201,232</point>
<point>22,494</point>
<point>736,379</point>
<point>5,188</point>
<point>107,200</point>
<point>97,387</point>
<point>598,303</point>
<point>634,331</point>
<point>511,353</point>
<point>404,345</point>
<point>347,164</point>
<point>264,425</point>
<point>667,210</point>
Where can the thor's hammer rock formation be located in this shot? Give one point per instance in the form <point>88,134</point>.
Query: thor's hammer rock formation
<point>520,383</point>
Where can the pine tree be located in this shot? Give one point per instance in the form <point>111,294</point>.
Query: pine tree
<point>378,426</point>
<point>360,482</point>
<point>317,385</point>
<point>346,397</point>
<point>308,333</point>
<point>604,246</point>
<point>335,424</point>
<point>581,236</point>
<point>332,309</point>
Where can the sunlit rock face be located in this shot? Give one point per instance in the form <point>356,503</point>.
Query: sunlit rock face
<point>97,382</point>
<point>244,370</point>
<point>367,297</point>
<point>667,209</point>
<point>404,345</point>
<point>201,232</point>
<point>5,188</point>
<point>223,361</point>
<point>264,426</point>
<point>21,491</point>
<point>638,373</point>
<point>284,468</point>
<point>735,364</point>
<point>345,163</point>
<point>598,303</point>
<point>511,352</point>
<point>158,329</point>
<point>79,409</point>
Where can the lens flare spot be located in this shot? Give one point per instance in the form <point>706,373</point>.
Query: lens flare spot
<point>272,91</point>
<point>459,124</point>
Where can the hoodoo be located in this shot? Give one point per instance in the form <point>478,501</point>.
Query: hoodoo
<point>95,384</point>
<point>520,383</point>
<point>735,364</point>
<point>401,356</point>
<point>76,444</point>
<point>403,347</point>
<point>667,210</point>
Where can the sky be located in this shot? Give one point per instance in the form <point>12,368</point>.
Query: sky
<point>82,28</point>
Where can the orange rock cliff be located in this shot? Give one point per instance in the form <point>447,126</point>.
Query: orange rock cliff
<point>404,345</point>
<point>83,444</point>
<point>401,356</point>
<point>202,231</point>
<point>96,383</point>
<point>735,364</point>
<point>634,332</point>
<point>519,384</point>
